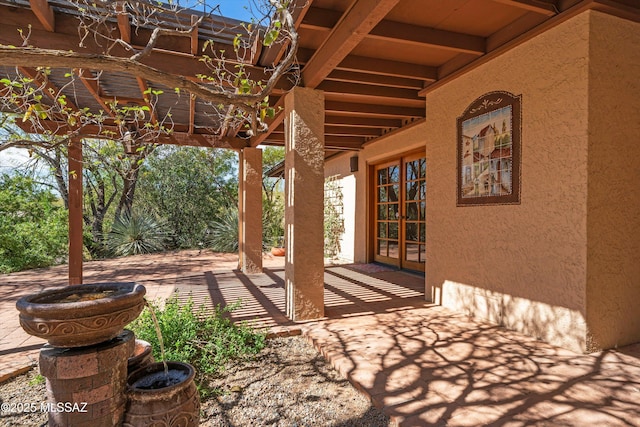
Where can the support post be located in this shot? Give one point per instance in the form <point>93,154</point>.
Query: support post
<point>240,209</point>
<point>252,210</point>
<point>75,212</point>
<point>304,204</point>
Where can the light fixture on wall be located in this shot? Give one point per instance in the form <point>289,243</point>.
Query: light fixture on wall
<point>353,163</point>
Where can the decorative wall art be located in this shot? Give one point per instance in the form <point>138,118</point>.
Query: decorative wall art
<point>489,150</point>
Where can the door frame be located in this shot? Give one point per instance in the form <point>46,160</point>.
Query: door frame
<point>372,210</point>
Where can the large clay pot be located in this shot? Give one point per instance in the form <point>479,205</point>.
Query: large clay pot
<point>154,402</point>
<point>81,315</point>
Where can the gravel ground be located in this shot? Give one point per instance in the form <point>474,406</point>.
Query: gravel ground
<point>287,384</point>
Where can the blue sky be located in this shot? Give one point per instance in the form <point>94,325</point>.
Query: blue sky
<point>238,9</point>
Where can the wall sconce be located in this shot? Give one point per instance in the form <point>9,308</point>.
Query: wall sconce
<point>353,163</point>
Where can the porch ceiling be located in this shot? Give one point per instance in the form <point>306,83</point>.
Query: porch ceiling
<point>374,59</point>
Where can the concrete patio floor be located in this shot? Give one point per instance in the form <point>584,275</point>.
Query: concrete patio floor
<point>423,364</point>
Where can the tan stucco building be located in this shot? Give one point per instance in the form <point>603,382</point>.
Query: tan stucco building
<point>562,265</point>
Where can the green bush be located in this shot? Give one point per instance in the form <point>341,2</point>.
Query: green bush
<point>33,225</point>
<point>204,338</point>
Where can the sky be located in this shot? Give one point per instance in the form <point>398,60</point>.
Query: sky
<point>238,9</point>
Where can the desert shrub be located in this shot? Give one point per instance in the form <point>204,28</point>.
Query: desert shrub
<point>223,232</point>
<point>133,234</point>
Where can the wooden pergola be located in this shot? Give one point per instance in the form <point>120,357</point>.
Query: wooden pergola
<point>374,61</point>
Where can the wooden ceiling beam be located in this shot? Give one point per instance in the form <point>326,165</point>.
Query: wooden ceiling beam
<point>144,90</point>
<point>351,131</point>
<point>274,53</point>
<point>194,35</point>
<point>91,83</point>
<point>44,13</point>
<point>370,91</point>
<point>355,24</point>
<point>362,122</point>
<point>515,29</point>
<point>384,67</point>
<point>374,79</point>
<point>277,120</point>
<point>192,114</point>
<point>352,109</point>
<point>399,32</point>
<point>124,26</point>
<point>538,6</point>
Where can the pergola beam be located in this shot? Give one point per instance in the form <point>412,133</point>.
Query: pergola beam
<point>355,24</point>
<point>44,13</point>
<point>537,6</point>
<point>399,32</point>
<point>91,83</point>
<point>124,25</point>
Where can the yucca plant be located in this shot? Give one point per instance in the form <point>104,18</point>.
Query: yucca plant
<point>223,233</point>
<point>133,234</point>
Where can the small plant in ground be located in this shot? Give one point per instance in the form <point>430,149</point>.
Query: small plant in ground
<point>204,338</point>
<point>37,380</point>
<point>133,234</point>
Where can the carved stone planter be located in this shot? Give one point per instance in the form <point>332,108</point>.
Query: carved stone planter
<point>160,401</point>
<point>141,357</point>
<point>81,315</point>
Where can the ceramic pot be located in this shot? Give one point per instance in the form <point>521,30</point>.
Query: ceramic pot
<point>81,315</point>
<point>155,400</point>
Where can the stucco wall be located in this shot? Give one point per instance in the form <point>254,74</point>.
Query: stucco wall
<point>613,273</point>
<point>338,167</point>
<point>523,266</point>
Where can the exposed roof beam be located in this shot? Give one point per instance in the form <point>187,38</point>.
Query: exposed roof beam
<point>142,84</point>
<point>515,29</point>
<point>372,110</point>
<point>370,91</point>
<point>91,83</point>
<point>274,53</point>
<point>277,120</point>
<point>194,35</point>
<point>44,13</point>
<point>537,6</point>
<point>388,68</point>
<point>123,22</point>
<point>350,131</point>
<point>355,24</point>
<point>362,122</point>
<point>374,79</point>
<point>400,32</point>
<point>192,114</point>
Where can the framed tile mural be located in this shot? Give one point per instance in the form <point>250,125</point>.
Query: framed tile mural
<point>489,150</point>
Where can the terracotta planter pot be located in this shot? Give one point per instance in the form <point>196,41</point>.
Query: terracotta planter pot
<point>154,402</point>
<point>141,357</point>
<point>81,315</point>
<point>277,251</point>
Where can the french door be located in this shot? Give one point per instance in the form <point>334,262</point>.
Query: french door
<point>400,193</point>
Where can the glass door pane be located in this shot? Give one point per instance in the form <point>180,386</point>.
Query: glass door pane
<point>387,213</point>
<point>414,204</point>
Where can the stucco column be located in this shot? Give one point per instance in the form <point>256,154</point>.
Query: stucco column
<point>251,256</point>
<point>304,205</point>
<point>75,212</point>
